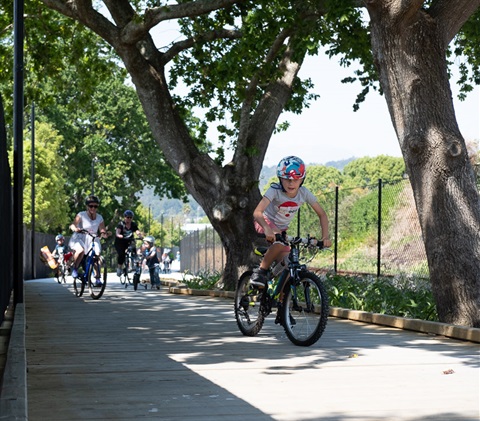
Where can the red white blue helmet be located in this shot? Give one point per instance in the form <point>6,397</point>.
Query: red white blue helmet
<point>59,237</point>
<point>292,168</point>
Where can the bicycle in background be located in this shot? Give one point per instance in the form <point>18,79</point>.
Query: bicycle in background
<point>130,265</point>
<point>298,295</point>
<point>65,262</point>
<point>92,263</point>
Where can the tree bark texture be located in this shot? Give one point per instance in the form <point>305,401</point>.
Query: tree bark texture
<point>409,47</point>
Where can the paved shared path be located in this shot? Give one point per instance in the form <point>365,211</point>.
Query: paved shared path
<point>152,355</point>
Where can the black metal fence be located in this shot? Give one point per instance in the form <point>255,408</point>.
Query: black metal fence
<point>6,226</point>
<point>375,230</point>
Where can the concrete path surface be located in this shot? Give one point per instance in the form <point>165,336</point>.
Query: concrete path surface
<point>151,355</point>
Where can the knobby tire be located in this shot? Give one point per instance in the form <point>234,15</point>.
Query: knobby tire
<point>247,307</point>
<point>305,309</point>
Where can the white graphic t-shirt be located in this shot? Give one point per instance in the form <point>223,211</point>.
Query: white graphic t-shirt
<point>282,208</point>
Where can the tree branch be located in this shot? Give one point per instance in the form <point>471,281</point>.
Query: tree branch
<point>451,15</point>
<point>136,29</point>
<point>83,12</point>
<point>183,45</point>
<point>252,87</point>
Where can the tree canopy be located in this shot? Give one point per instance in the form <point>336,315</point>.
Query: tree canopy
<point>241,60</point>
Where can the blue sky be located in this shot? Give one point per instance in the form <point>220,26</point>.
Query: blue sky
<point>330,130</point>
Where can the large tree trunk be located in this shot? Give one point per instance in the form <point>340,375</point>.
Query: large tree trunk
<point>409,48</point>
<point>228,194</point>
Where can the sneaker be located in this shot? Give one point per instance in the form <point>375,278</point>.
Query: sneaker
<point>259,278</point>
<point>119,272</point>
<point>98,283</point>
<point>74,273</point>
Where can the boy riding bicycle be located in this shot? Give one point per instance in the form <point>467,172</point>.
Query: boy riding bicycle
<point>276,210</point>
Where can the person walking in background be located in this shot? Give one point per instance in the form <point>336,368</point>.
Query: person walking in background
<point>276,210</point>
<point>124,238</point>
<point>151,257</point>
<point>91,221</point>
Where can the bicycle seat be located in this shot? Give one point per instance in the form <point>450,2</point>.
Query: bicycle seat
<point>260,251</point>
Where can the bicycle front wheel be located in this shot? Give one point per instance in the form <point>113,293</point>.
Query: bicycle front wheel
<point>63,273</point>
<point>79,285</point>
<point>96,291</point>
<point>248,308</point>
<point>305,309</point>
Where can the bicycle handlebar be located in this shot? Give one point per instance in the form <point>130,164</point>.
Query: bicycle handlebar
<point>84,231</point>
<point>291,240</point>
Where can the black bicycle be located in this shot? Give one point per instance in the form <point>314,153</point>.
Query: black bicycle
<point>298,294</point>
<point>131,259</point>
<point>92,264</point>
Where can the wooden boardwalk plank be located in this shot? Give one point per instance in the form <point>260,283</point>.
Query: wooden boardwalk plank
<point>156,356</point>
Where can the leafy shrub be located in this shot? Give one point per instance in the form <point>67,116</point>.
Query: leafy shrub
<point>203,280</point>
<point>399,296</point>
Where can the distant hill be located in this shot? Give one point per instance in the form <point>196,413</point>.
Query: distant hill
<point>340,165</point>
<point>175,207</point>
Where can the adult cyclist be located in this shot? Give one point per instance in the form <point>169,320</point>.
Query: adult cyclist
<point>124,235</point>
<point>92,222</point>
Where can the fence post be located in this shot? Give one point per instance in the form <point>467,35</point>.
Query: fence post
<point>213,248</point>
<point>335,239</point>
<point>379,230</point>
<point>197,246</point>
<point>206,249</point>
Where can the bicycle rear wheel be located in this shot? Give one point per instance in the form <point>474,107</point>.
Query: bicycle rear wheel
<point>79,285</point>
<point>305,309</point>
<point>247,308</point>
<point>97,291</point>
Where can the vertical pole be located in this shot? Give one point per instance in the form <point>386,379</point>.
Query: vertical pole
<point>206,249</point>
<point>18,152</point>
<point>92,175</point>
<point>213,249</point>
<point>335,246</point>
<point>379,228</point>
<point>32,177</point>
<point>161,232</point>
<point>149,217</point>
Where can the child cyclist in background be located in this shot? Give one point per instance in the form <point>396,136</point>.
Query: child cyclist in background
<point>150,253</point>
<point>276,210</point>
<point>62,252</point>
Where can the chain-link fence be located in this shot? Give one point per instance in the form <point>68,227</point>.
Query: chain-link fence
<point>375,230</point>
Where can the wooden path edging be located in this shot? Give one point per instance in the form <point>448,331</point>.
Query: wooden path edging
<point>13,399</point>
